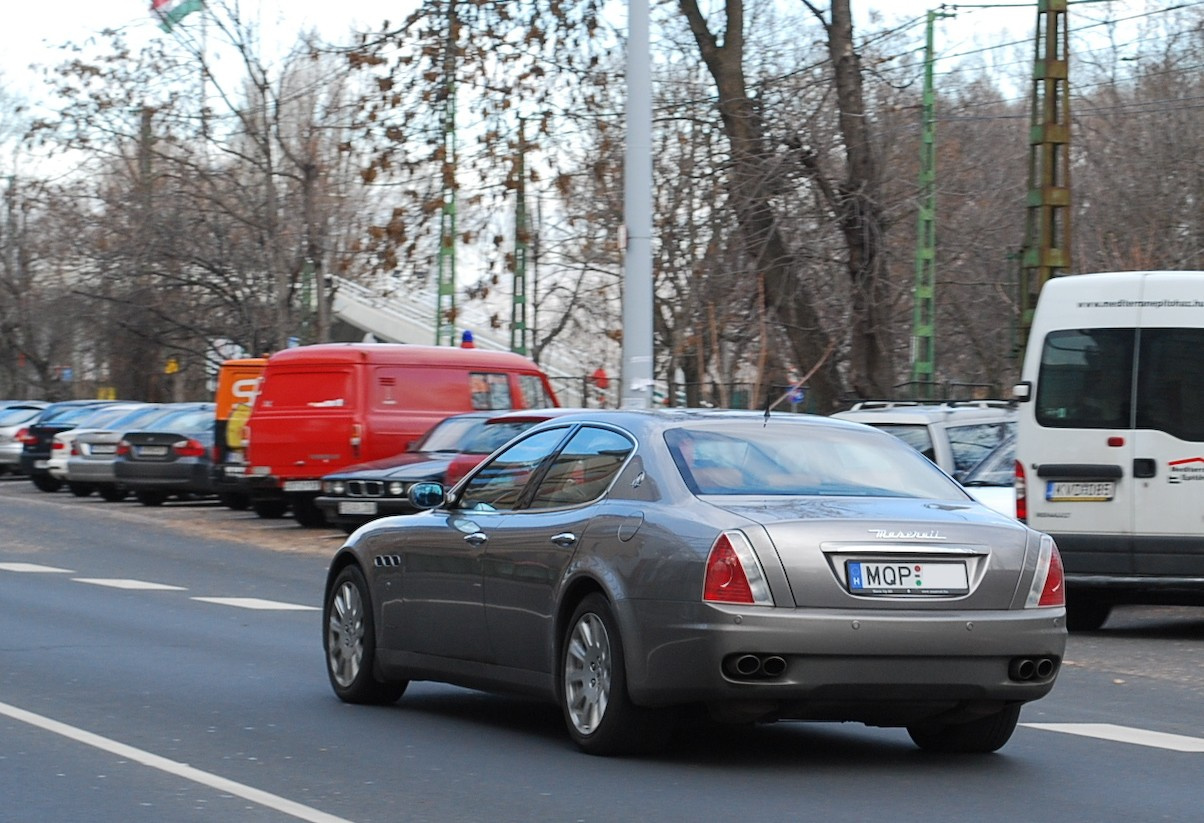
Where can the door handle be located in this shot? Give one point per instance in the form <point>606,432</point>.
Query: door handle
<point>1145,467</point>
<point>476,539</point>
<point>565,539</point>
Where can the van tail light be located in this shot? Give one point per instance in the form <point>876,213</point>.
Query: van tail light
<point>189,448</point>
<point>357,434</point>
<point>733,573</point>
<point>1021,493</point>
<point>1049,583</point>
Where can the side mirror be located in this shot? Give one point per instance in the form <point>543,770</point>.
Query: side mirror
<point>1023,392</point>
<point>426,495</point>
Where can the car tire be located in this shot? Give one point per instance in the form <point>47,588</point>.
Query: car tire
<point>270,509</point>
<point>150,497</point>
<point>349,640</point>
<point>1086,613</point>
<point>46,483</point>
<point>81,489</point>
<point>981,736</point>
<point>235,501</point>
<point>597,709</point>
<point>307,513</point>
<point>112,493</point>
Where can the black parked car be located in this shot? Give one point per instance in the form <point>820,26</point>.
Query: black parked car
<point>363,492</point>
<point>171,461</point>
<point>38,439</point>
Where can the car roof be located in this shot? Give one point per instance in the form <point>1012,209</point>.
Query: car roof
<point>883,411</point>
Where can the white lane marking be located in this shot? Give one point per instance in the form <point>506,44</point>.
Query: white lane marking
<point>257,603</point>
<point>139,585</point>
<point>1125,734</point>
<point>32,568</point>
<point>154,761</point>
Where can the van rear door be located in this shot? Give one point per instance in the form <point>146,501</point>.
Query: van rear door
<point>1168,463</point>
<point>303,422</point>
<point>1079,454</point>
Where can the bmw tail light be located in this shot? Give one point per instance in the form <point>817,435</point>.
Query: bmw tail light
<point>733,573</point>
<point>1049,583</point>
<point>23,436</point>
<point>123,448</point>
<point>188,448</point>
<point>58,446</point>
<point>1021,493</point>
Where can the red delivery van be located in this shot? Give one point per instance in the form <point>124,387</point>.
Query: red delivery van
<point>321,408</point>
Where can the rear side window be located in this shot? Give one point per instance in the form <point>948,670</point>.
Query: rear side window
<point>1170,382</point>
<point>1086,379</point>
<point>583,470</point>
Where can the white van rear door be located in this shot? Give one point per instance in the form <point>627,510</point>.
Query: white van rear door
<point>1169,439</point>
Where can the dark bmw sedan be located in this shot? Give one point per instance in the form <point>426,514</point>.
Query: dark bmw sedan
<point>354,495</point>
<point>629,564</point>
<point>173,459</point>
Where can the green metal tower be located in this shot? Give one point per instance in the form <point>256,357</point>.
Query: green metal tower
<point>1046,250</point>
<point>923,344</point>
<point>519,341</point>
<point>445,308</point>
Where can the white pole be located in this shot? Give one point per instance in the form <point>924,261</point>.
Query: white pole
<point>636,390</point>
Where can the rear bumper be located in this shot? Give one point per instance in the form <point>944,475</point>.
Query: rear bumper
<point>838,665</point>
<point>169,477</point>
<point>90,471</point>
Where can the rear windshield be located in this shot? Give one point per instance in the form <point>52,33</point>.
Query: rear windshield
<point>769,460</point>
<point>13,417</point>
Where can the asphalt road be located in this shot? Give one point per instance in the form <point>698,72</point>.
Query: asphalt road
<point>165,664</point>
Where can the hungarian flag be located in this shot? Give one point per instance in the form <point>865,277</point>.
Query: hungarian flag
<point>170,12</point>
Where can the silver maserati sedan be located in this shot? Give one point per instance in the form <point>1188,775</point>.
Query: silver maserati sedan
<point>629,564</point>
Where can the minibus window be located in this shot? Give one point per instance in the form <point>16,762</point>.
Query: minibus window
<point>1086,379</point>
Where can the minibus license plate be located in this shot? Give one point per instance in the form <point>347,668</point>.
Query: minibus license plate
<point>357,507</point>
<point>924,578</point>
<point>1096,491</point>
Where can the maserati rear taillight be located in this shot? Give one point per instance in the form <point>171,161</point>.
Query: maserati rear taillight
<point>733,574</point>
<point>1049,582</point>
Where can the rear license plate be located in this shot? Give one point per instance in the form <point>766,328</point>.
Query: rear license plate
<point>41,464</point>
<point>925,578</point>
<point>302,485</point>
<point>1096,491</point>
<point>357,507</point>
<point>102,448</point>
<point>236,471</point>
<point>152,451</point>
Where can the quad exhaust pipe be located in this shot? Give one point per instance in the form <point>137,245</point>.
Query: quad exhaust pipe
<point>755,666</point>
<point>1032,668</point>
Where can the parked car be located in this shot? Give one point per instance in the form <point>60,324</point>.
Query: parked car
<point>362,493</point>
<point>628,563</point>
<point>366,491</point>
<point>955,434</point>
<point>993,481</point>
<point>170,460</point>
<point>37,438</point>
<point>93,453</point>
<point>14,417</point>
<point>62,442</point>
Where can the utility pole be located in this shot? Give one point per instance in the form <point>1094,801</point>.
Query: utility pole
<point>522,241</point>
<point>923,341</point>
<point>445,308</point>
<point>637,382</point>
<point>1046,250</point>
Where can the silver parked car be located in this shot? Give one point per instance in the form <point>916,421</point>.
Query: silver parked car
<point>626,564</point>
